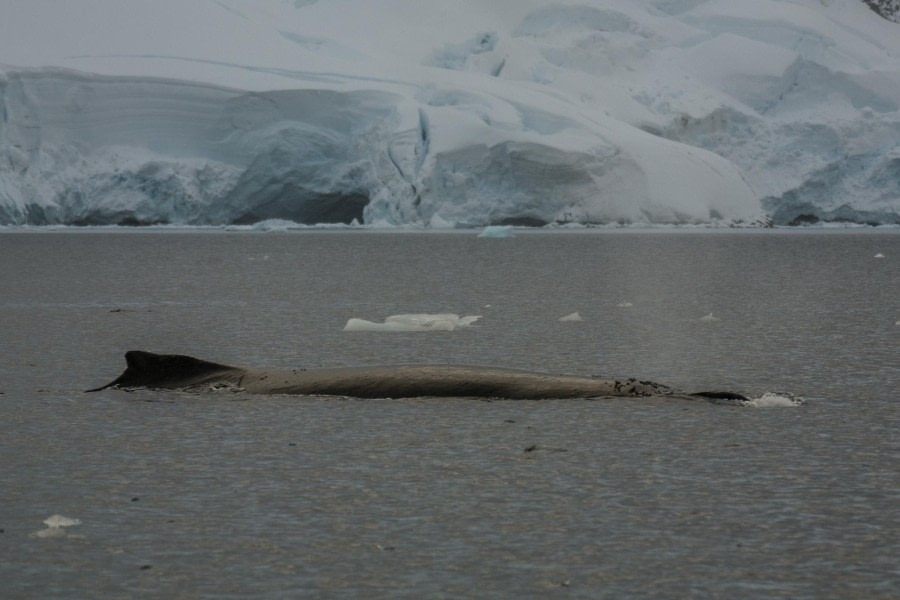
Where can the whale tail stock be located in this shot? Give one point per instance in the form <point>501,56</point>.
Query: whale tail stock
<point>146,369</point>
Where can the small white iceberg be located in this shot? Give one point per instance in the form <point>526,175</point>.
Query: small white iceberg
<point>572,317</point>
<point>624,304</point>
<point>413,322</point>
<point>709,319</point>
<point>879,255</point>
<point>497,231</point>
<point>56,525</point>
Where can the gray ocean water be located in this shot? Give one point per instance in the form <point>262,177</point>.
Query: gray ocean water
<point>233,496</point>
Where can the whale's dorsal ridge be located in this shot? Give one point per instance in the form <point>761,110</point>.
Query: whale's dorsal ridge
<point>177,371</point>
<point>146,369</point>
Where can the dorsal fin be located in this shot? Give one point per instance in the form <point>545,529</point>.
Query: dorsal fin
<point>146,369</point>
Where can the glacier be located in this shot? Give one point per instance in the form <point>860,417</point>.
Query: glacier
<point>510,112</point>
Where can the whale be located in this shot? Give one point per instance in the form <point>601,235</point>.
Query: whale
<point>179,372</point>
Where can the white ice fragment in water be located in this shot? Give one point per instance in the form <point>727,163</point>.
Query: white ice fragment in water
<point>879,255</point>
<point>770,399</point>
<point>497,231</point>
<point>624,304</point>
<point>572,317</point>
<point>56,521</point>
<point>413,322</point>
<point>709,318</point>
<point>56,525</point>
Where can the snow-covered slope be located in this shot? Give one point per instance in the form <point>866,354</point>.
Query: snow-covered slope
<point>470,113</point>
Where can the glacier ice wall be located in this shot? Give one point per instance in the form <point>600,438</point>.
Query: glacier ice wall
<point>803,96</point>
<point>87,149</point>
<point>83,149</point>
<point>809,107</point>
<point>508,112</point>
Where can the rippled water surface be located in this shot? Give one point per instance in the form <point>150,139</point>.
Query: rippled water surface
<point>229,495</point>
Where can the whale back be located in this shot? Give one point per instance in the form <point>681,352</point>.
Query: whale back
<point>146,369</point>
<point>176,371</point>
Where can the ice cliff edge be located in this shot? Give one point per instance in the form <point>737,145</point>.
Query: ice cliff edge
<point>88,149</point>
<point>509,112</point>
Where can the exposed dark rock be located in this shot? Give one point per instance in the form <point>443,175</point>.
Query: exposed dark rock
<point>889,9</point>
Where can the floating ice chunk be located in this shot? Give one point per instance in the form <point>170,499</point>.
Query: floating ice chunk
<point>413,322</point>
<point>624,304</point>
<point>497,231</point>
<point>879,255</point>
<point>770,399</point>
<point>709,318</point>
<point>572,317</point>
<point>57,521</point>
<point>56,525</point>
<point>364,325</point>
<point>433,320</point>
